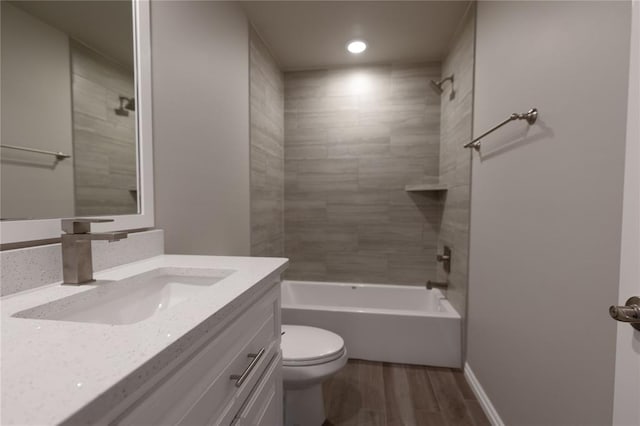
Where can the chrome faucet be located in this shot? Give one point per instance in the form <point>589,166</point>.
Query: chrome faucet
<point>77,262</point>
<point>436,284</point>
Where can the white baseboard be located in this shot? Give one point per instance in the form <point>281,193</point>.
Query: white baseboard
<point>483,399</point>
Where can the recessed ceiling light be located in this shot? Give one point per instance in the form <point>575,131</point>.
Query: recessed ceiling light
<point>356,46</point>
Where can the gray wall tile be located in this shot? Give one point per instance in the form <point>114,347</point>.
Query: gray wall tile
<point>354,137</point>
<point>455,162</point>
<point>104,144</point>
<point>267,153</point>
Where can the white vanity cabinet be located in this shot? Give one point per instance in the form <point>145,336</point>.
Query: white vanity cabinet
<point>231,376</point>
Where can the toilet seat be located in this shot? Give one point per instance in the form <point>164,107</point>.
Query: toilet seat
<point>306,346</point>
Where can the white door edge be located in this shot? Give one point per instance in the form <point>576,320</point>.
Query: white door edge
<point>626,405</point>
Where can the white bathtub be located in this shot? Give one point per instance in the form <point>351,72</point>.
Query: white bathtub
<point>392,323</point>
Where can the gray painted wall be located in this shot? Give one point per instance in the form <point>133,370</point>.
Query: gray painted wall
<point>354,137</point>
<point>546,208</point>
<point>267,151</point>
<point>36,113</point>
<point>455,160</point>
<point>200,59</point>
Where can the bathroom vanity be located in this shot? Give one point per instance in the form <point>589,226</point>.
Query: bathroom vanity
<point>166,340</point>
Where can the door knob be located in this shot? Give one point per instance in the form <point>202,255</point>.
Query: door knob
<point>629,313</point>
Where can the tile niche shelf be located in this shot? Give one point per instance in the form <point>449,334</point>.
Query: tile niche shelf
<point>426,187</point>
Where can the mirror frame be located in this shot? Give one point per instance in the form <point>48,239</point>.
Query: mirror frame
<point>46,229</point>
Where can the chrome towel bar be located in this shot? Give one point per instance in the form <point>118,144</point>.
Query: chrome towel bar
<point>58,155</point>
<point>531,116</point>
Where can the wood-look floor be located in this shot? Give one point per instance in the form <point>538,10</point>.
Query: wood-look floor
<point>366,393</point>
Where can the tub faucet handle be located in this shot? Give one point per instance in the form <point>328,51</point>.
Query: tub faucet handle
<point>445,258</point>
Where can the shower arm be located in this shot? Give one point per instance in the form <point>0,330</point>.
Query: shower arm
<point>531,116</point>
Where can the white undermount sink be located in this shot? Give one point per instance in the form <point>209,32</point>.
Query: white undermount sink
<point>130,300</point>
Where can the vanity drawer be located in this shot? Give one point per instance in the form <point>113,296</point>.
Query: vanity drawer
<point>265,404</point>
<point>209,409</point>
<point>201,389</point>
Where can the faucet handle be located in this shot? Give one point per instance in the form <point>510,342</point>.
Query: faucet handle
<point>80,225</point>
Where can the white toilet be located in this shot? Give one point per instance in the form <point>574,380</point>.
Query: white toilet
<point>310,355</point>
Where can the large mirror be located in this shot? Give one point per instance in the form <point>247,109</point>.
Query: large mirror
<point>73,113</point>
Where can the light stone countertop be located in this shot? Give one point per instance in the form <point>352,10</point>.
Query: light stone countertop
<point>52,370</point>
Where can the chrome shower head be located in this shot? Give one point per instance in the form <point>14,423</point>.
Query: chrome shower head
<point>126,105</point>
<point>437,86</point>
<point>131,104</point>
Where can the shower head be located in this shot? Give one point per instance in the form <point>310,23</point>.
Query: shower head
<point>437,85</point>
<point>131,104</point>
<point>126,105</point>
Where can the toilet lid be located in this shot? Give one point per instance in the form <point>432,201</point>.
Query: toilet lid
<point>302,345</point>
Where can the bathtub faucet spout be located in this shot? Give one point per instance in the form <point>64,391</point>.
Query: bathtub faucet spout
<point>436,284</point>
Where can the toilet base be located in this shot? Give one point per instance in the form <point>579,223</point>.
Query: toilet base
<point>304,407</point>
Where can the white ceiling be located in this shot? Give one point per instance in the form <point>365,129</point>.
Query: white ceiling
<point>105,25</point>
<point>313,34</point>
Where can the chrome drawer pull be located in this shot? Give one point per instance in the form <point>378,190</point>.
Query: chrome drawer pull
<point>242,377</point>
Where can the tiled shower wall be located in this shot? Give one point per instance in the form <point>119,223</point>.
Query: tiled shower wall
<point>267,151</point>
<point>455,161</point>
<point>104,144</point>
<point>354,138</point>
